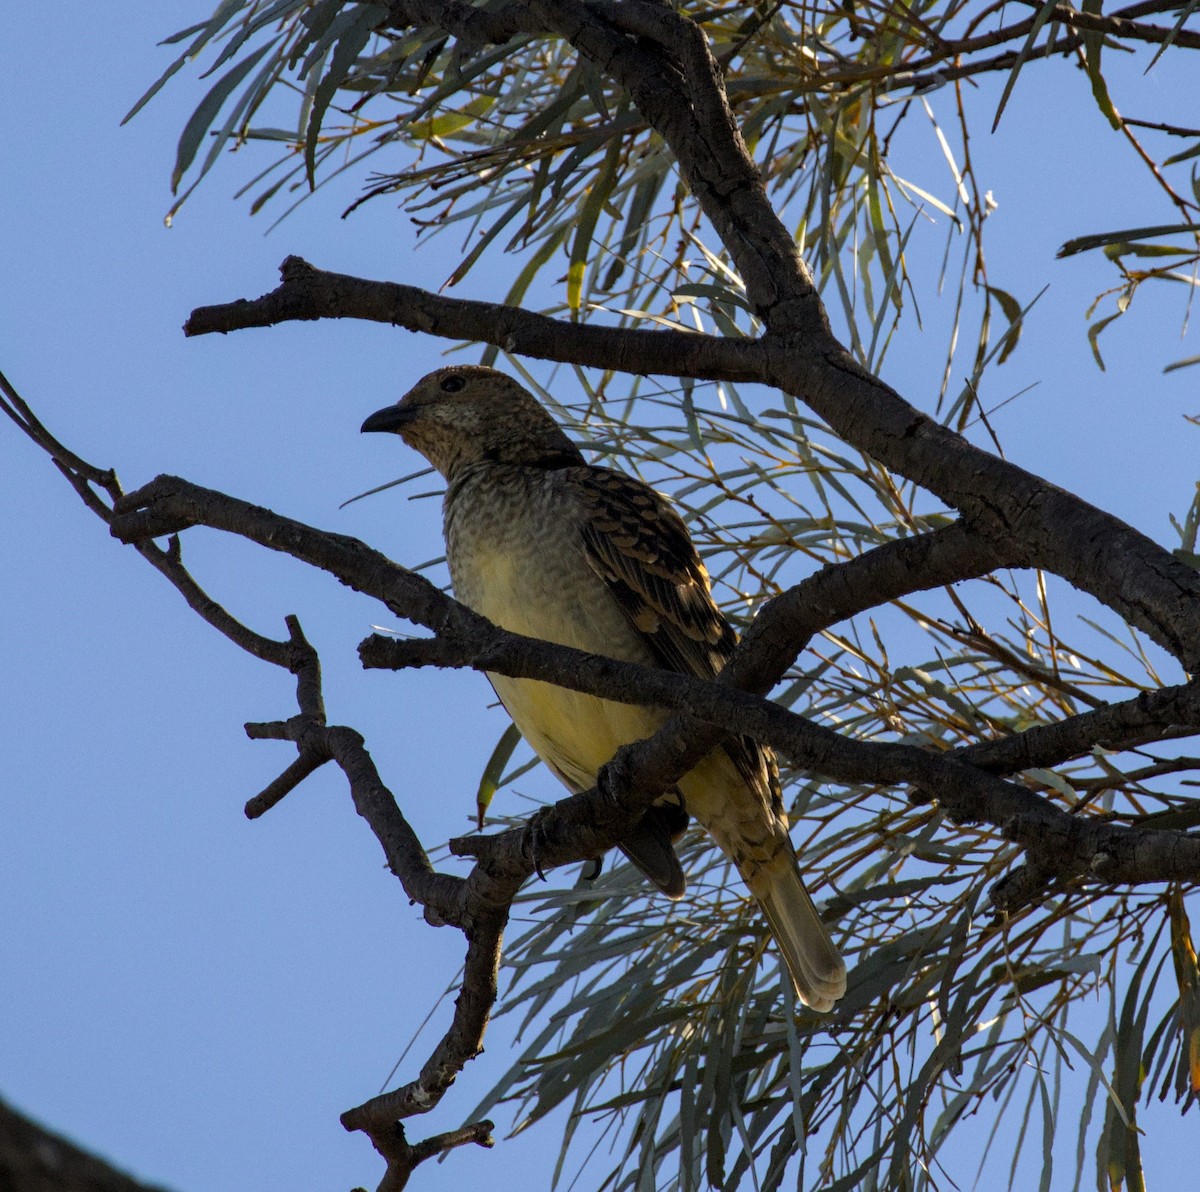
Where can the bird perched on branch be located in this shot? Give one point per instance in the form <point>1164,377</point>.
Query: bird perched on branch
<point>544,544</point>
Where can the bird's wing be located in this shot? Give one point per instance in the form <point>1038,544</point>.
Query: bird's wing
<point>639,546</point>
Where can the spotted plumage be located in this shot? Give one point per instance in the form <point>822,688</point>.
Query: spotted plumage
<point>547,545</point>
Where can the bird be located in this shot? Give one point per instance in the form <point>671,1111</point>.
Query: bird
<point>545,544</point>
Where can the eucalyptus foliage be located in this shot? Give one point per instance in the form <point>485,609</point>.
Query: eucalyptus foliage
<point>1037,1034</point>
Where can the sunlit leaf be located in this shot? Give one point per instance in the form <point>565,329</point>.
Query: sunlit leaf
<point>448,123</point>
<point>1015,316</point>
<point>1093,44</point>
<point>1093,335</point>
<point>589,215</point>
<point>489,780</point>
<point>1187,977</point>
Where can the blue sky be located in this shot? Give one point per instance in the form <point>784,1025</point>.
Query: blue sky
<point>198,997</point>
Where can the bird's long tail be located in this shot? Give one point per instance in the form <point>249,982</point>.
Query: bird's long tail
<point>817,970</point>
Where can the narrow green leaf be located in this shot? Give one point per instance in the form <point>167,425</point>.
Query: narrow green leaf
<point>1187,362</point>
<point>1015,316</point>
<point>448,123</point>
<point>1041,17</point>
<point>1049,1122</point>
<point>1123,248</point>
<point>645,192</point>
<point>1084,243</point>
<point>1185,155</point>
<point>1187,979</point>
<point>206,30</point>
<point>718,293</point>
<point>1093,334</point>
<point>1185,11</point>
<point>525,278</point>
<point>206,112</point>
<point>589,214</point>
<point>320,32</point>
<point>1093,43</point>
<point>498,225</point>
<point>489,780</point>
<point>176,38</point>
<point>349,45</point>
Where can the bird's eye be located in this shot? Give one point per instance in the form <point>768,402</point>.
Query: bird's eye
<point>452,384</point>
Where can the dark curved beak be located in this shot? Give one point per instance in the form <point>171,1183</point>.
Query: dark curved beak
<point>390,418</point>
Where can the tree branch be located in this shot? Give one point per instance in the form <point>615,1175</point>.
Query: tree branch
<point>34,1159</point>
<point>310,293</point>
<point>1005,505</point>
<point>679,90</point>
<point>403,1157</point>
<point>1122,27</point>
<point>1150,716</point>
<point>472,26</point>
<point>444,898</point>
<point>586,824</point>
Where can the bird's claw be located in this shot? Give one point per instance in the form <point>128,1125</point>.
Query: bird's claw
<point>609,779</point>
<point>531,845</point>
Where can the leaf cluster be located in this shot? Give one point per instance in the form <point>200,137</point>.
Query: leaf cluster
<point>502,132</point>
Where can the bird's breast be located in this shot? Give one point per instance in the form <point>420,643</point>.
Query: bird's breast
<point>515,550</point>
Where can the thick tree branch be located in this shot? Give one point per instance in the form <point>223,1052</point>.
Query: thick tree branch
<point>471,25</point>
<point>838,591</point>
<point>1150,716</point>
<point>99,489</point>
<point>1092,550</point>
<point>34,1159</point>
<point>678,88</point>
<point>463,1042</point>
<point>443,898</point>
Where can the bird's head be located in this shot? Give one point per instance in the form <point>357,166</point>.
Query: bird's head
<point>468,414</point>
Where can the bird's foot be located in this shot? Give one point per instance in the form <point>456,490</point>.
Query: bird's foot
<point>612,779</point>
<point>532,844</point>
